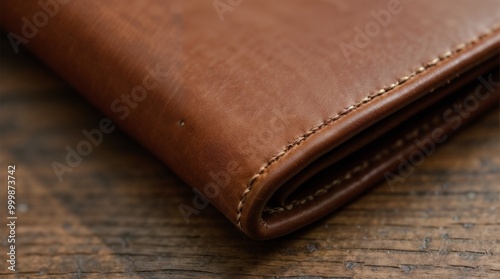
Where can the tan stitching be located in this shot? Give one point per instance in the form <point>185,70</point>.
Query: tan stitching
<point>363,166</point>
<point>365,100</point>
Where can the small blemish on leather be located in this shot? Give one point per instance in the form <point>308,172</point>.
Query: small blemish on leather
<point>181,123</point>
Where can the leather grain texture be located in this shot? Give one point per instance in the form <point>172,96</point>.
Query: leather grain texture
<point>262,110</point>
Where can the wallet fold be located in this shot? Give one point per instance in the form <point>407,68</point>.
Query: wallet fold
<point>277,113</point>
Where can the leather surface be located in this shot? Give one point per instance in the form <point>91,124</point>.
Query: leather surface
<point>240,107</point>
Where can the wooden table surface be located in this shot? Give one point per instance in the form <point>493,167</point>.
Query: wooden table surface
<point>116,215</point>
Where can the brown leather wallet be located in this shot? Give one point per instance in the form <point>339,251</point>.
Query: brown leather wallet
<point>276,112</point>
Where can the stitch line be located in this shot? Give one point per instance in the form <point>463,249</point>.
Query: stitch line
<point>363,166</point>
<point>347,110</point>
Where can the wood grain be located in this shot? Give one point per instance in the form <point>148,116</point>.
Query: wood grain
<point>116,215</point>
